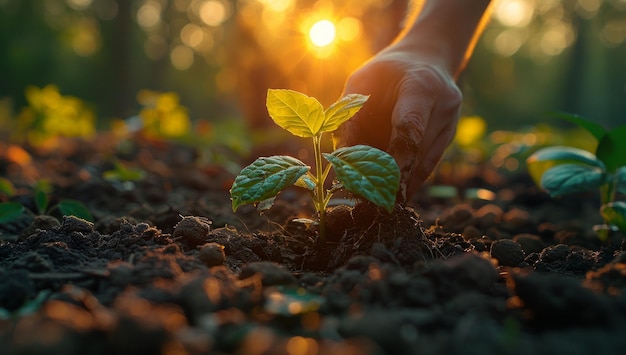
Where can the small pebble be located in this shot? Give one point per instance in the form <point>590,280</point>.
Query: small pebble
<point>212,254</point>
<point>530,243</point>
<point>507,252</point>
<point>470,232</point>
<point>557,252</point>
<point>192,231</point>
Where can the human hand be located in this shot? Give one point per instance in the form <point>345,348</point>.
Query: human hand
<point>412,112</point>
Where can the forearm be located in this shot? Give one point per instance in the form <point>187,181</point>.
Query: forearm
<point>446,30</point>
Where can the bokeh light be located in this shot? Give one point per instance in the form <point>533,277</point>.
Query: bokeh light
<point>181,57</point>
<point>149,14</point>
<point>214,12</point>
<point>78,4</point>
<point>515,13</point>
<point>222,55</point>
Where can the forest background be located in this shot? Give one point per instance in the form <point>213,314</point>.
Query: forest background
<point>220,56</point>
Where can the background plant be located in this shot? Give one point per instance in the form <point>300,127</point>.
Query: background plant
<point>11,210</point>
<point>362,170</point>
<point>50,114</point>
<point>562,170</point>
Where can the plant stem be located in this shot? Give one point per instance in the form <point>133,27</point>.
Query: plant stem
<point>607,191</point>
<point>607,195</point>
<point>320,193</point>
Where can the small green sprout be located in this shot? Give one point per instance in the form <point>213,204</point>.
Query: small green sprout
<point>563,170</point>
<point>123,173</point>
<point>11,211</point>
<point>362,170</point>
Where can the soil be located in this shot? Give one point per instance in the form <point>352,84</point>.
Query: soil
<point>168,268</point>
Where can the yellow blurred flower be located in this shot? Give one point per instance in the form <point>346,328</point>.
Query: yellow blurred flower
<point>162,115</point>
<point>470,130</point>
<point>50,114</point>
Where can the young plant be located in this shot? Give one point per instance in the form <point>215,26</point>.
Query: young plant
<point>362,170</point>
<point>11,211</point>
<point>123,176</point>
<point>562,170</point>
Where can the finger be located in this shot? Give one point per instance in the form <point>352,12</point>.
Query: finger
<point>410,120</point>
<point>441,131</point>
<point>424,166</point>
<point>370,125</point>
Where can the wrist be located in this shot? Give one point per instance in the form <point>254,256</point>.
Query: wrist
<point>445,32</point>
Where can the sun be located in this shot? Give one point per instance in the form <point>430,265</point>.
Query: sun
<point>322,33</point>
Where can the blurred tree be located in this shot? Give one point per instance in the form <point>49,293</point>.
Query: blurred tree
<point>545,56</point>
<point>537,56</point>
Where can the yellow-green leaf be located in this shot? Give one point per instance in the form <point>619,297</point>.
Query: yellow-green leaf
<point>298,113</point>
<point>6,187</point>
<point>342,110</point>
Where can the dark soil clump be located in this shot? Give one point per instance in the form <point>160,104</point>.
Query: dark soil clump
<point>167,268</point>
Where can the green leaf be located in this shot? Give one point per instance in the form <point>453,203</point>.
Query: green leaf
<point>569,178</point>
<point>10,211</point>
<point>342,110</point>
<point>265,178</point>
<point>298,113</point>
<point>6,187</point>
<point>368,172</point>
<point>596,130</point>
<point>41,200</point>
<point>74,208</point>
<point>28,307</point>
<point>615,213</point>
<point>543,159</point>
<point>612,149</point>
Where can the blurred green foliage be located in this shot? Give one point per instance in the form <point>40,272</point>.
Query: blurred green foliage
<point>217,55</point>
<point>11,211</point>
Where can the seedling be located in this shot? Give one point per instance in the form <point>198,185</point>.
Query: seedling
<point>562,170</point>
<point>12,211</point>
<point>362,170</point>
<point>122,175</point>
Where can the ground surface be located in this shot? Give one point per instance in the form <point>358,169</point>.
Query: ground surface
<point>168,268</point>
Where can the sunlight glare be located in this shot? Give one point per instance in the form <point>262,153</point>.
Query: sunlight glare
<point>349,29</point>
<point>322,33</point>
<point>277,5</point>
